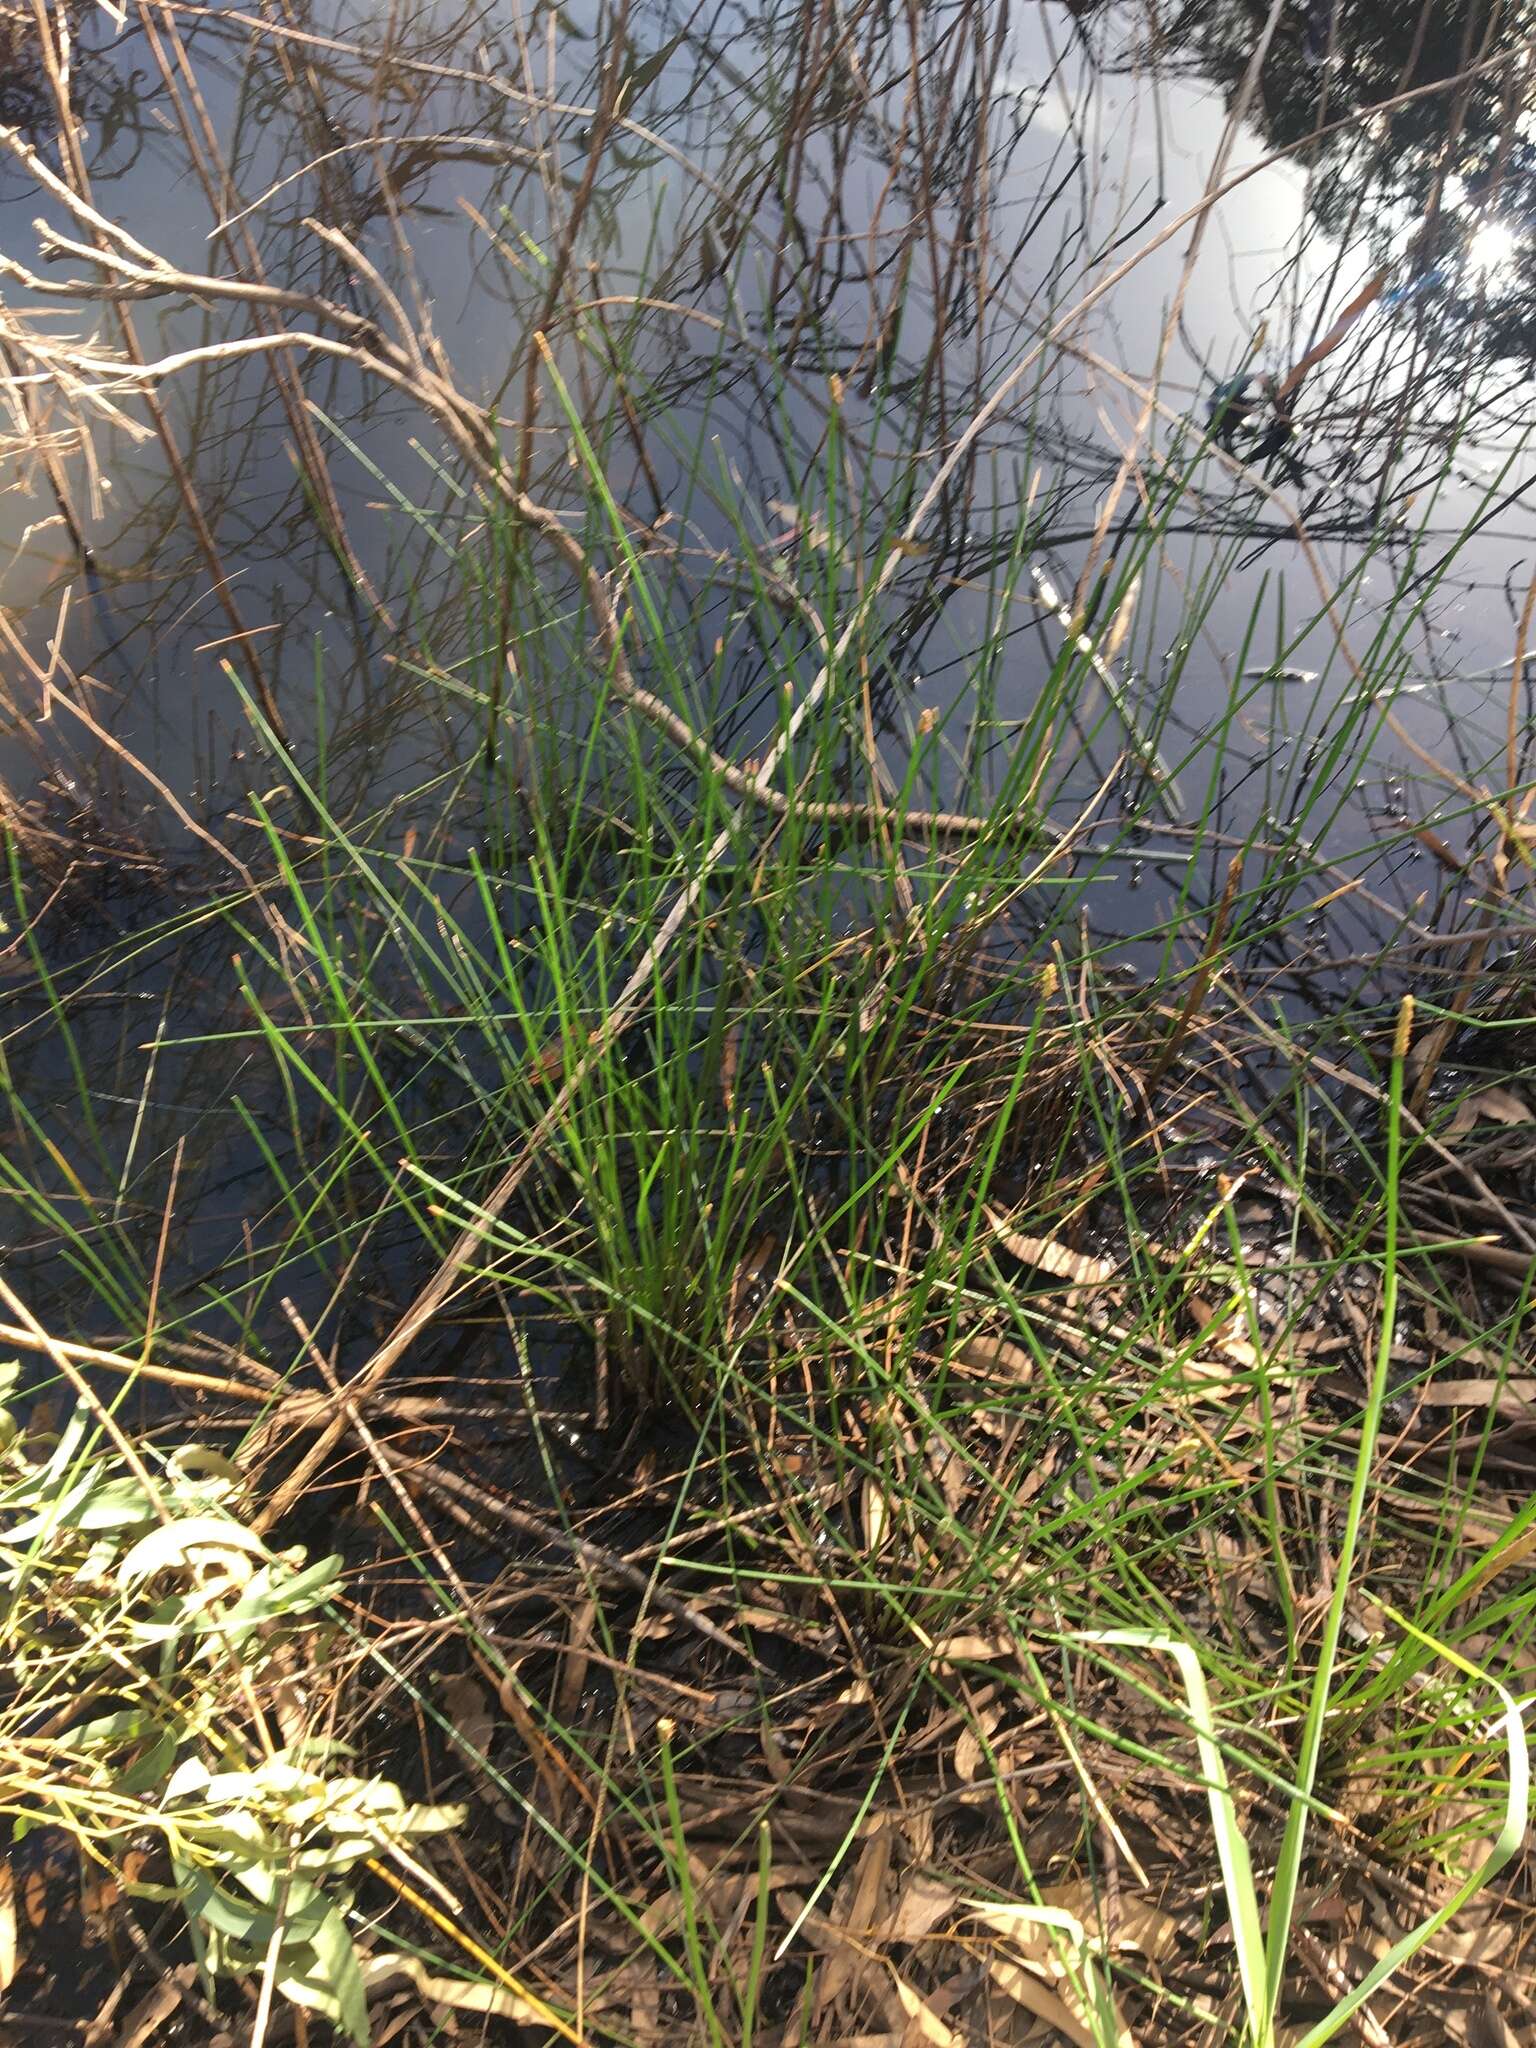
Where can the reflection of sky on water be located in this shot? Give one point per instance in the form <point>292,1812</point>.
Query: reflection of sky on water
<point>1122,156</point>
<point>1087,168</point>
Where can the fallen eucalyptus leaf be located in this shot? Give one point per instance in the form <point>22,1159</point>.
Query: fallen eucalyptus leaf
<point>382,1973</point>
<point>1488,1106</point>
<point>997,1356</point>
<point>1048,1256</point>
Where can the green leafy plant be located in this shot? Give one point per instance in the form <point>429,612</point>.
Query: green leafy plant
<point>147,1632</point>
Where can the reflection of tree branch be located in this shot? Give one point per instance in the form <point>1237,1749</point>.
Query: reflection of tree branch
<point>559,270</point>
<point>403,366</point>
<point>449,142</point>
<point>1325,588</point>
<point>74,190</point>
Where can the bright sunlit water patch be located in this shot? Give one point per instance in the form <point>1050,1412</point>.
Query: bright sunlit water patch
<point>1492,250</point>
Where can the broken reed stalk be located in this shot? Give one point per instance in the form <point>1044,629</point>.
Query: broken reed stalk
<point>1200,980</point>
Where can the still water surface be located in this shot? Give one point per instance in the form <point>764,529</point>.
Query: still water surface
<point>797,211</point>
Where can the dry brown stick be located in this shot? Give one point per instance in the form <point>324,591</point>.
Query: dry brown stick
<point>154,279</point>
<point>40,442</point>
<point>741,781</point>
<point>289,1491</point>
<point>463,145</point>
<point>79,181</point>
<point>28,1337</point>
<point>336,1414</point>
<point>492,1509</point>
<point>218,186</point>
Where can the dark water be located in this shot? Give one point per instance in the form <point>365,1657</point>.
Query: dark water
<point>883,210</point>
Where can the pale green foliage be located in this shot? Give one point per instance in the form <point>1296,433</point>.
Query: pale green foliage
<point>141,1622</point>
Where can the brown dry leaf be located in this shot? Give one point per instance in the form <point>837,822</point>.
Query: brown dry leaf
<point>1450,1345</point>
<point>952,1474</point>
<point>1204,1316</point>
<point>1027,1990</point>
<point>972,1649</point>
<point>753,1279</point>
<point>969,1749</point>
<point>1048,1952</point>
<point>1210,1371</point>
<point>1476,1945</point>
<point>1120,624</point>
<point>854,1914</point>
<point>666,1909</point>
<point>466,1706</point>
<point>814,532</point>
<point>1220,1329</point>
<point>772,1619</point>
<point>1488,2027</point>
<point>574,1668</point>
<point>773,1753</point>
<point>1488,1106</point>
<point>1512,1400</point>
<point>151,2012</point>
<point>1138,1924</point>
<point>1328,1969</point>
<point>1513,1553</point>
<point>877,1514</point>
<point>812,1927</point>
<point>652,1628</point>
<point>1049,1256</point>
<point>645,2007</point>
<point>927,2022</point>
<point>381,1971</point>
<point>997,1357</point>
<point>923,1904</point>
<point>1241,1353</point>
